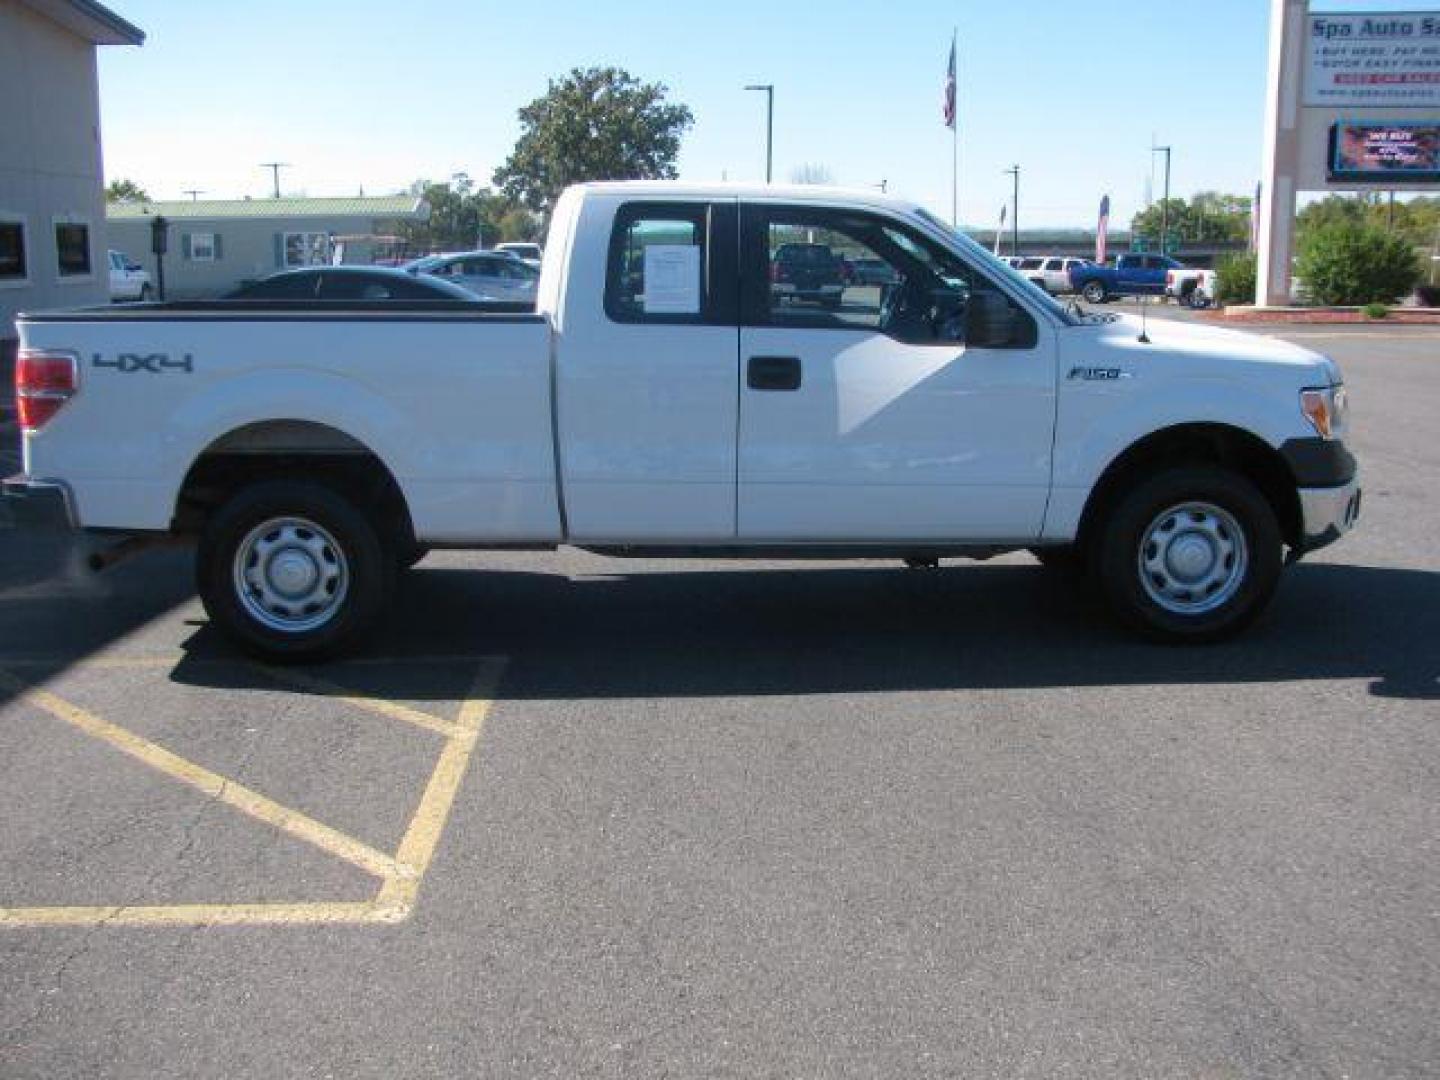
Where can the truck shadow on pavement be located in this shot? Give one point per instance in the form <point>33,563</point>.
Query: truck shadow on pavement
<point>674,633</point>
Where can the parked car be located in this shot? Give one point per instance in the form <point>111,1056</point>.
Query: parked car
<point>530,253</point>
<point>1054,273</point>
<point>489,275</point>
<point>808,272</point>
<point>690,414</point>
<point>1192,288</point>
<point>128,279</point>
<point>1126,275</point>
<point>348,283</point>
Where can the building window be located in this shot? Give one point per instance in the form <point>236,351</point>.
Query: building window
<point>307,249</point>
<point>72,248</point>
<point>13,264</point>
<point>202,247</point>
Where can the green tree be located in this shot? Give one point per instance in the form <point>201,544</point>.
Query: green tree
<point>1209,215</point>
<point>594,124</point>
<point>1348,262</point>
<point>1417,220</point>
<point>517,223</point>
<point>122,191</point>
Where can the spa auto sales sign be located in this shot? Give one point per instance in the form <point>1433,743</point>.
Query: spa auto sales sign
<point>1372,59</point>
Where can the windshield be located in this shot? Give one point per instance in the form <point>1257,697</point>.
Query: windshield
<point>997,267</point>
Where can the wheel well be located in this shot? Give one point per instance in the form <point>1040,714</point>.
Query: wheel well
<point>1190,444</point>
<point>289,450</point>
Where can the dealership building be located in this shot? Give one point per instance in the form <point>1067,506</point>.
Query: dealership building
<point>52,200</point>
<point>215,245</point>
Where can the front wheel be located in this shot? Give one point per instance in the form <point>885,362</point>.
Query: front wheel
<point>1192,554</point>
<point>292,571</point>
<point>1093,292</point>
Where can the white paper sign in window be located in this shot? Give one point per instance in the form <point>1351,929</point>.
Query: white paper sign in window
<point>672,279</point>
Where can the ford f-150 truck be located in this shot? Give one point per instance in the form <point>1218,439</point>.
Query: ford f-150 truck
<point>1127,275</point>
<point>664,397</point>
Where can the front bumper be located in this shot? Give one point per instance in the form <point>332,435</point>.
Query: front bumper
<point>1328,513</point>
<point>26,503</point>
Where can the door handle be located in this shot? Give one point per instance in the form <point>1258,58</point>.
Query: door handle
<point>773,373</point>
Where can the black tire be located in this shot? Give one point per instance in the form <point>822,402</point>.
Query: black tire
<point>368,563</point>
<point>409,554</point>
<point>1094,291</point>
<point>1115,560</point>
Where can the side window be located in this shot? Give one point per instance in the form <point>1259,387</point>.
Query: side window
<point>833,270</point>
<point>1054,264</point>
<point>658,269</point>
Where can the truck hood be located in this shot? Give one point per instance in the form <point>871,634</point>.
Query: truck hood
<point>1201,349</point>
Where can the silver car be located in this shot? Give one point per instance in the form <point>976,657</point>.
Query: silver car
<point>489,275</point>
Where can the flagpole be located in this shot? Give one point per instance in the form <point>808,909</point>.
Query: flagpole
<point>955,139</point>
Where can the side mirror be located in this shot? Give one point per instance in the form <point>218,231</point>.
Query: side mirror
<point>989,321</point>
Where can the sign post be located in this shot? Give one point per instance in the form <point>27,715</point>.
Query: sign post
<point>1352,102</point>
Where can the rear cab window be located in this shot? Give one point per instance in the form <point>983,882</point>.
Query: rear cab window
<point>672,262</point>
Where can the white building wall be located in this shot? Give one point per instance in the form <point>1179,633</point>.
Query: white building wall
<point>50,160</point>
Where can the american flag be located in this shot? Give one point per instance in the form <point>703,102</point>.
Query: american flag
<point>950,88</point>
<point>1102,231</point>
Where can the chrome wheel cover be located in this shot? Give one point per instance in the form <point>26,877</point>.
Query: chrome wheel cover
<point>1193,558</point>
<point>290,575</point>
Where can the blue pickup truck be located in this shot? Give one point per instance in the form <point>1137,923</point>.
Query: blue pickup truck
<point>1126,275</point>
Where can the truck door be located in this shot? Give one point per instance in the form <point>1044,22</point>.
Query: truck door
<point>1130,273</point>
<point>873,420</point>
<point>647,372</point>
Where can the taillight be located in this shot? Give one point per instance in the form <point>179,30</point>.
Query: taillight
<point>43,383</point>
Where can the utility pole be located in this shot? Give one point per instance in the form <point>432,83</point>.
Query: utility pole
<point>769,89</point>
<point>1164,199</point>
<point>194,193</point>
<point>1014,172</point>
<point>275,167</point>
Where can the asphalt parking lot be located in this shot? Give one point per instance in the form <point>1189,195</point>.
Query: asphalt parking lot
<point>574,817</point>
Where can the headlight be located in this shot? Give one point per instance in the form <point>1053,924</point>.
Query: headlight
<point>1325,409</point>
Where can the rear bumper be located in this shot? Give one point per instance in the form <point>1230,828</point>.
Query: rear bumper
<point>28,503</point>
<point>1328,513</point>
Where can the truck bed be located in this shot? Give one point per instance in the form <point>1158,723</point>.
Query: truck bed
<point>163,384</point>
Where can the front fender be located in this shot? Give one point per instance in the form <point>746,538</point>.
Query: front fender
<point>1099,422</point>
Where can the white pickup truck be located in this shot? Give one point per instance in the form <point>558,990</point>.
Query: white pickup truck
<point>664,397</point>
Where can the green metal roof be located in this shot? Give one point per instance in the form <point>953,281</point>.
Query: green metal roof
<point>382,206</point>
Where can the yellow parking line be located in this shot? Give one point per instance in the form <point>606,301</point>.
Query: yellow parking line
<point>418,845</point>
<point>400,876</point>
<point>367,911</point>
<point>213,784</point>
<point>382,706</point>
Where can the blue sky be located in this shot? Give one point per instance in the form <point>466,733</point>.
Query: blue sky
<point>357,93</point>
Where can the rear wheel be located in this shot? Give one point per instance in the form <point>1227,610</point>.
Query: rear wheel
<point>292,571</point>
<point>1192,554</point>
<point>1093,292</point>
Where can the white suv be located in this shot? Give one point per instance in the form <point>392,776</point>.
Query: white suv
<point>1055,273</point>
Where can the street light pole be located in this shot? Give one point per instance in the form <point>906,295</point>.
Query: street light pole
<point>769,89</point>
<point>1014,172</point>
<point>275,167</point>
<point>1165,199</point>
